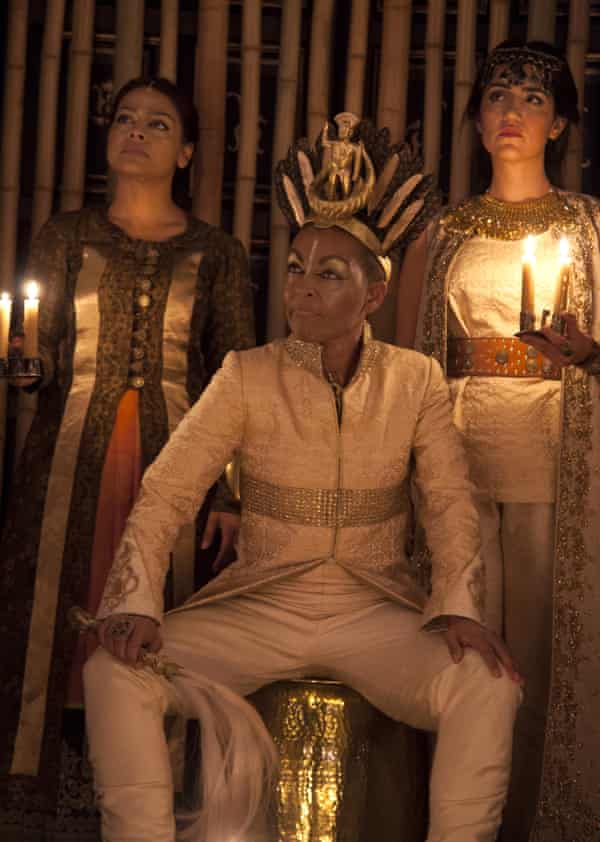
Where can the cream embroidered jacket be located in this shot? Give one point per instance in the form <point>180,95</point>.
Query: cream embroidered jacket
<point>320,481</point>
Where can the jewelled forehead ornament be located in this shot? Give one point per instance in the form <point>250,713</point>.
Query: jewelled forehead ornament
<point>519,66</point>
<point>353,179</point>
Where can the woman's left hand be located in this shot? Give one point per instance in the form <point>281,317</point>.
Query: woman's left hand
<point>228,525</point>
<point>570,348</point>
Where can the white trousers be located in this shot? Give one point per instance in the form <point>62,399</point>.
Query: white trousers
<point>323,623</point>
<point>518,552</point>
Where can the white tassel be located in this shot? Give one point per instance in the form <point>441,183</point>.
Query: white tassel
<point>402,224</point>
<point>238,760</point>
<point>294,199</point>
<point>398,199</point>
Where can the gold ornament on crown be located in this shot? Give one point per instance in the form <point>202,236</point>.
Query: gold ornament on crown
<point>346,183</point>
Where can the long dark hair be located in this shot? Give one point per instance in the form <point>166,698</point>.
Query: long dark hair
<point>184,106</point>
<point>561,86</point>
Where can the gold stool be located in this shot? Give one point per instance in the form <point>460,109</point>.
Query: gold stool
<point>348,773</point>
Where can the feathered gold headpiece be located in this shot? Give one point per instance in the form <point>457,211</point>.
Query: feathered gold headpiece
<point>359,182</point>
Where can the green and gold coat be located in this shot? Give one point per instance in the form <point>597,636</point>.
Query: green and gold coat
<point>92,275</point>
<point>569,802</point>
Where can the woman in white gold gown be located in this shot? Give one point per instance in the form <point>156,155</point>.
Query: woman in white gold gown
<point>530,421</point>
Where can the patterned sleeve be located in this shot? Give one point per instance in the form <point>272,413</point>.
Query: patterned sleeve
<point>446,509</point>
<point>172,491</point>
<point>47,264</point>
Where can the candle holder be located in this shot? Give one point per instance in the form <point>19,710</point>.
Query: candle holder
<point>527,321</point>
<point>17,366</point>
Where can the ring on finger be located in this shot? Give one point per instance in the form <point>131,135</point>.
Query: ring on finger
<point>121,628</point>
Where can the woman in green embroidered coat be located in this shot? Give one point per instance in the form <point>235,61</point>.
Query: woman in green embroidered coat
<point>532,434</point>
<point>139,305</point>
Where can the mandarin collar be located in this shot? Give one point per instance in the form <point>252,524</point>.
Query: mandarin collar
<point>309,355</point>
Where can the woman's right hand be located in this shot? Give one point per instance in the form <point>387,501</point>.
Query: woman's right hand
<point>16,344</point>
<point>126,635</point>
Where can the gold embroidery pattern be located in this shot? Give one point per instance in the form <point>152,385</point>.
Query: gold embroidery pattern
<point>309,356</point>
<point>322,507</point>
<point>563,810</point>
<point>485,216</point>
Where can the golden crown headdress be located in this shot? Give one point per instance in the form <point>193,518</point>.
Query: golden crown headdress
<point>361,183</point>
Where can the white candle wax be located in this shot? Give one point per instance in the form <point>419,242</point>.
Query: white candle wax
<point>30,320</point>
<point>5,311</point>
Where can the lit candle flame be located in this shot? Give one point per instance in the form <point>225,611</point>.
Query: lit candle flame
<point>565,250</point>
<point>529,253</point>
<point>5,296</point>
<point>32,290</point>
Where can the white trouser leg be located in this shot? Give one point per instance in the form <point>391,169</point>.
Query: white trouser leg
<point>409,675</point>
<point>528,548</point>
<point>125,709</point>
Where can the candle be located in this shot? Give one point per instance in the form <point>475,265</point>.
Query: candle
<point>5,310</point>
<point>561,292</point>
<point>30,319</point>
<point>527,285</point>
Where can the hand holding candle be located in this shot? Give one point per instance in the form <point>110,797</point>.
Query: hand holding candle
<point>561,292</point>
<point>30,320</point>
<point>5,312</point>
<point>528,286</point>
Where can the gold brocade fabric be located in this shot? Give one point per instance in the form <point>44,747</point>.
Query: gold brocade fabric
<point>485,216</point>
<point>569,799</point>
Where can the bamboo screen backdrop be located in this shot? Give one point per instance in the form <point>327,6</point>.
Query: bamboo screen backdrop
<point>260,73</point>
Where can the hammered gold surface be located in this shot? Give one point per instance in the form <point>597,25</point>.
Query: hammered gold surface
<point>347,773</point>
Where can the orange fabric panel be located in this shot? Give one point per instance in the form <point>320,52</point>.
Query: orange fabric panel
<point>120,483</point>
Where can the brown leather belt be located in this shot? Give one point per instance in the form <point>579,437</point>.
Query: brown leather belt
<point>497,357</point>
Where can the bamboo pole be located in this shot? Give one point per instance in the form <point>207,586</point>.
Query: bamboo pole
<point>499,22</point>
<point>78,91</point>
<point>249,115</point>
<point>460,172</point>
<point>43,190</point>
<point>393,82</point>
<point>434,78</point>
<point>577,45</point>
<point>169,30</point>
<point>129,49</point>
<point>285,119</point>
<point>357,56</point>
<point>541,20</point>
<point>319,68</point>
<point>12,129</point>
<point>210,86</point>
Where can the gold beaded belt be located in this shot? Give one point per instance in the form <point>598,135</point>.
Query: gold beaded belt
<point>322,506</point>
<point>497,357</point>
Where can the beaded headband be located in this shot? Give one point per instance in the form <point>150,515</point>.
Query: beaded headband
<point>359,182</point>
<point>520,65</point>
